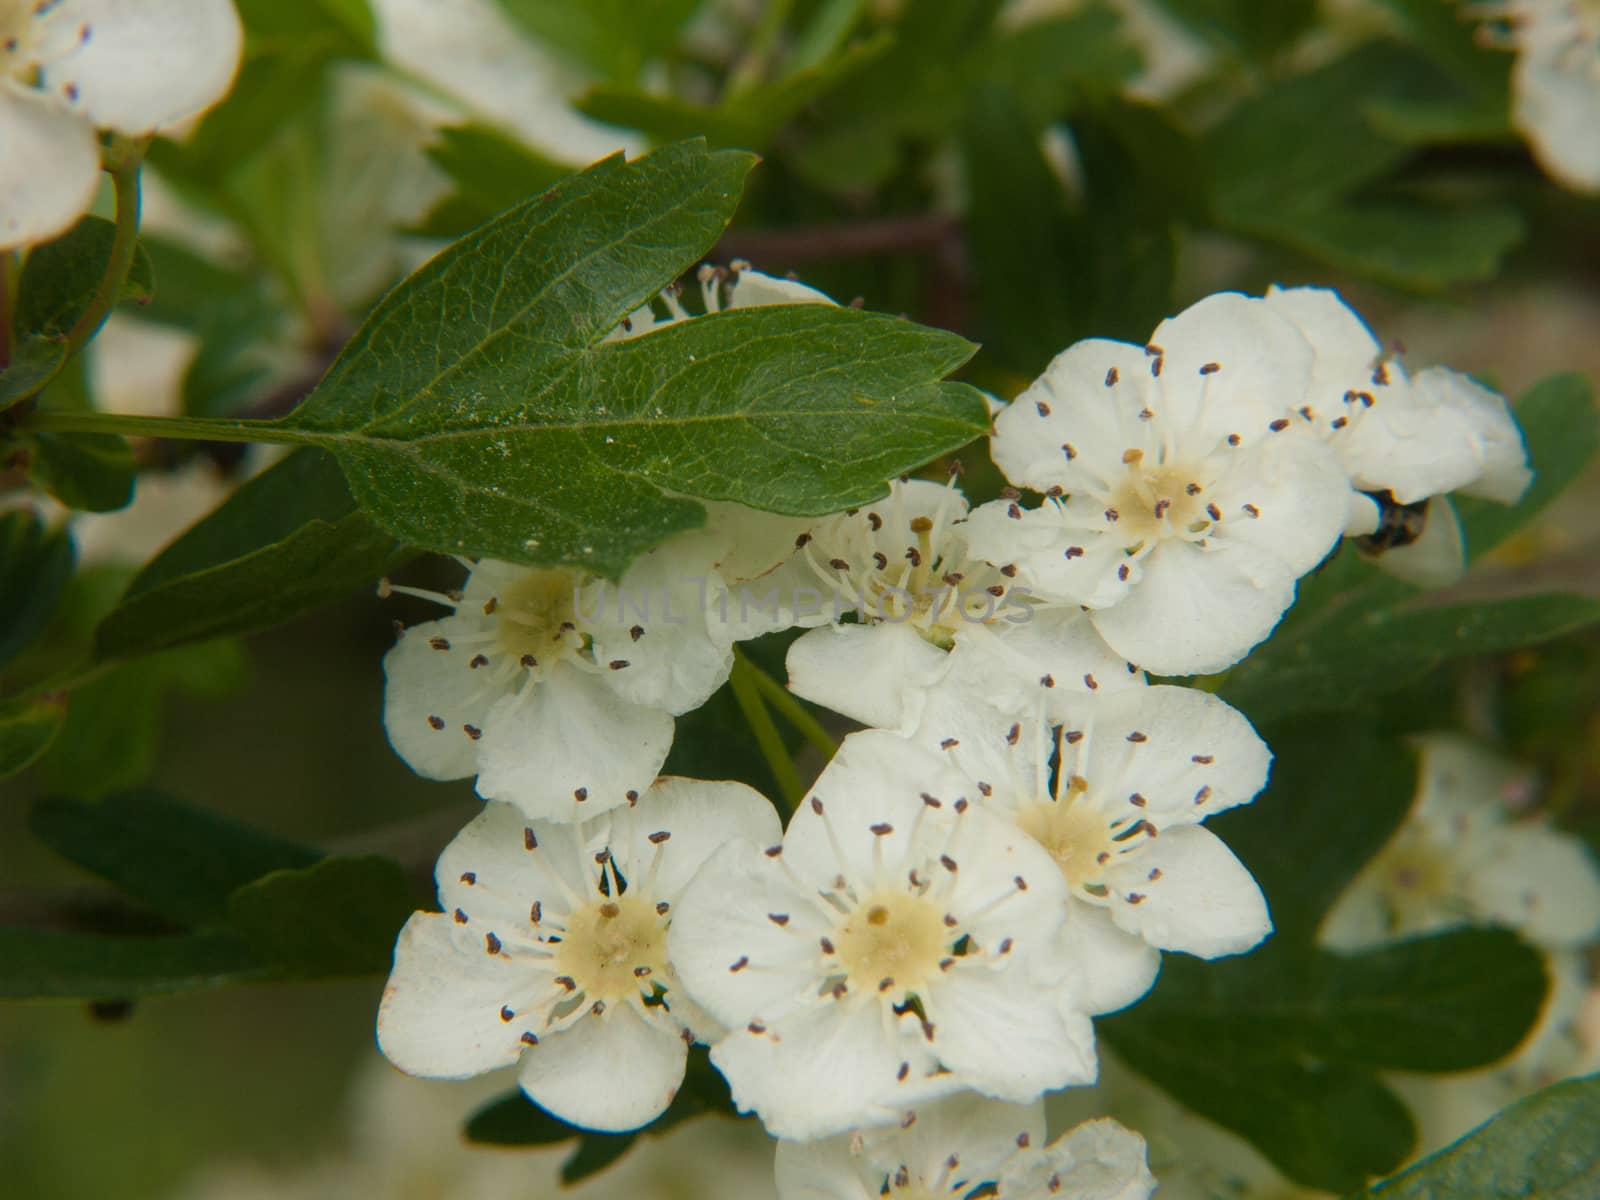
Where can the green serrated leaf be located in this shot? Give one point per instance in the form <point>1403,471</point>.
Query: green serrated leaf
<point>182,863</point>
<point>1543,1147</point>
<point>92,472</point>
<point>35,564</point>
<point>335,918</point>
<point>37,964</point>
<point>288,541</point>
<point>27,729</point>
<point>508,428</point>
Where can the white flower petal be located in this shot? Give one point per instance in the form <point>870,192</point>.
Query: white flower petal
<point>1006,1035</point>
<point>145,64</point>
<point>612,1072</point>
<point>1059,647</point>
<point>654,622</point>
<point>1098,1160</point>
<point>1300,495</point>
<point>1258,356</point>
<point>49,167</point>
<point>441,1011</point>
<point>701,816</point>
<point>1203,901</point>
<point>1055,559</point>
<point>869,673</point>
<point>876,778</point>
<point>1187,753</point>
<point>1338,336</point>
<point>753,289</point>
<point>500,862</point>
<point>571,748</point>
<point>429,697</point>
<point>1543,883</point>
<point>1364,516</point>
<point>1196,611</point>
<point>833,1068</point>
<point>1078,401</point>
<point>826,1169</point>
<point>1111,968</point>
<point>1503,473</point>
<point>723,915</point>
<point>1556,104</point>
<point>979,1134</point>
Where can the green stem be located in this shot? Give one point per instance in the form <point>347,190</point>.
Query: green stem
<point>199,429</point>
<point>125,184</point>
<point>789,707</point>
<point>748,695</point>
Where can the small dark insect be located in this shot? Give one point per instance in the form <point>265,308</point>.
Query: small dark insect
<point>1398,524</point>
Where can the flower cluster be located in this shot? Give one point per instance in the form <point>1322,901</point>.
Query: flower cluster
<point>895,979</point>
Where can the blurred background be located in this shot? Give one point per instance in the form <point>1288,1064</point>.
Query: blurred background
<point>1025,173</point>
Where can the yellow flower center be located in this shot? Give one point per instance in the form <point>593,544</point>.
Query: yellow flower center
<point>612,946</point>
<point>538,611</point>
<point>891,936</point>
<point>1158,501</point>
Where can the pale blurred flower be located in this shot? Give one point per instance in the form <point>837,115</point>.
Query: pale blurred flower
<point>1555,84</point>
<point>1463,856</point>
<point>473,55</point>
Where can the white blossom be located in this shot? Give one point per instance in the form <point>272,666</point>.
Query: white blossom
<point>556,688</point>
<point>898,945</point>
<point>903,570</point>
<point>965,1145</point>
<point>1115,788</point>
<point>552,953</point>
<point>1181,505</point>
<point>1411,437</point>
<point>471,53</point>
<point>71,67</point>
<point>1555,82</point>
<point>1462,857</point>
